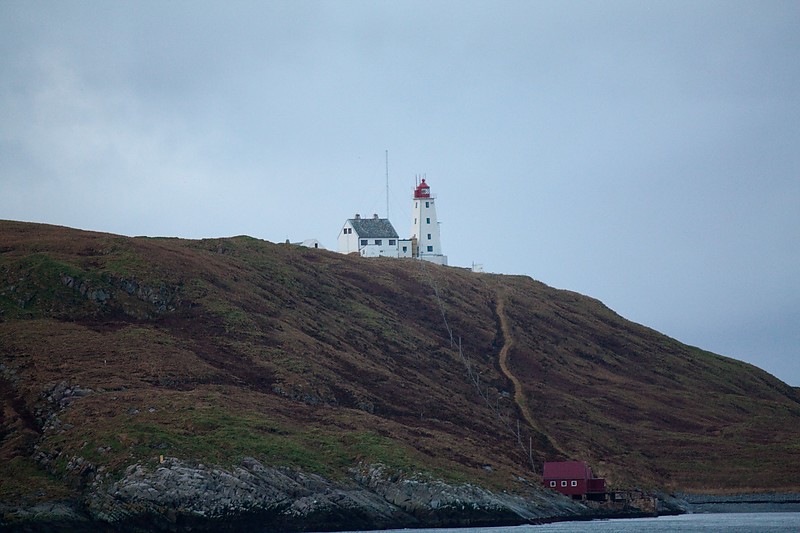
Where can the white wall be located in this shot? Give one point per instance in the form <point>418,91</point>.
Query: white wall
<point>404,243</point>
<point>379,250</point>
<point>438,259</point>
<point>427,233</point>
<point>347,242</point>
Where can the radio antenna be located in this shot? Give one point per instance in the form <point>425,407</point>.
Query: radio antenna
<point>387,184</point>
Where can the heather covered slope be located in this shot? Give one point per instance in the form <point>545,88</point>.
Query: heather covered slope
<point>645,408</point>
<point>117,350</point>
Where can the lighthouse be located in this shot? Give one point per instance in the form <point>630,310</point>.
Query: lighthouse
<point>425,226</point>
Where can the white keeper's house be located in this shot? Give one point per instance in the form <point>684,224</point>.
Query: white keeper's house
<point>376,237</point>
<point>372,237</point>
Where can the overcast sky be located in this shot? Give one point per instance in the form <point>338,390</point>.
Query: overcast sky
<point>643,153</point>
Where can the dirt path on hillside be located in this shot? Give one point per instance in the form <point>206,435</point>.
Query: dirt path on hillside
<point>519,395</point>
<point>508,342</point>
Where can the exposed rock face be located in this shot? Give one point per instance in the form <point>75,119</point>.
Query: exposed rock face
<point>438,504</point>
<point>178,496</point>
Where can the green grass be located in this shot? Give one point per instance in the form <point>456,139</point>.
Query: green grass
<point>212,435</point>
<point>124,263</point>
<point>21,478</point>
<point>38,287</point>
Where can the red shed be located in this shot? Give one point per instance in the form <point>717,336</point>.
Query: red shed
<point>573,478</point>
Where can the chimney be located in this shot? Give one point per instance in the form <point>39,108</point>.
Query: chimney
<point>358,217</point>
<point>375,216</point>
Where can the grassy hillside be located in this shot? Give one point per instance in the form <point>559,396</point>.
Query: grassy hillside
<point>117,350</point>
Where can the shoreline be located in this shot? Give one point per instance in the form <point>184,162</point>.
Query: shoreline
<point>69,515</point>
<point>742,503</point>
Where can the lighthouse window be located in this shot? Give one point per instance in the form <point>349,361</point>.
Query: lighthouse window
<point>429,236</point>
<point>363,242</point>
<point>430,248</point>
<point>427,204</point>
<point>392,242</point>
<point>427,220</point>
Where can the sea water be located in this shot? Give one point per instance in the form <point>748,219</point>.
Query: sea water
<point>688,523</point>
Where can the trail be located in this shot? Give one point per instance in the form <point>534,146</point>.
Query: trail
<point>519,395</point>
<point>508,342</point>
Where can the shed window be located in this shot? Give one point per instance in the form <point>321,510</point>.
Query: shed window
<point>563,483</point>
<point>553,484</point>
<point>405,248</point>
<point>573,483</point>
<point>430,248</point>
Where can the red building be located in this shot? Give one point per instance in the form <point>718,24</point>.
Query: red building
<point>573,478</point>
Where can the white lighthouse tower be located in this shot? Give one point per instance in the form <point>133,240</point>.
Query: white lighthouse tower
<point>425,226</point>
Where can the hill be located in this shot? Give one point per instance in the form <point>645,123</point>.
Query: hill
<point>119,353</point>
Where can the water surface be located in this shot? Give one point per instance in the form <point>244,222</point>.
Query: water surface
<point>689,523</point>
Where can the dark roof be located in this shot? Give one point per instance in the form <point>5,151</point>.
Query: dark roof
<point>373,228</point>
<point>567,470</point>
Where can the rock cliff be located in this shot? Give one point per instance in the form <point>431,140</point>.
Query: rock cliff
<point>175,496</point>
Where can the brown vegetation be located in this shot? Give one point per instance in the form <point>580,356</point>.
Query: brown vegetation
<point>117,350</point>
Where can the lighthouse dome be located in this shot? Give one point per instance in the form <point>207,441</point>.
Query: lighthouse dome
<point>423,190</point>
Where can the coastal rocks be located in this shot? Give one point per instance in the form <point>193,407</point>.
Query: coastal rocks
<point>438,504</point>
<point>176,496</point>
<point>44,517</point>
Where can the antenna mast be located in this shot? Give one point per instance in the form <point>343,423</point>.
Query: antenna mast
<point>387,184</point>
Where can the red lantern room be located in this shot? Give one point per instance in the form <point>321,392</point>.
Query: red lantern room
<point>422,190</point>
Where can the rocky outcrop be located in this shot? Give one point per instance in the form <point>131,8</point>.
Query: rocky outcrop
<point>178,496</point>
<point>163,298</point>
<point>435,503</point>
<point>54,516</point>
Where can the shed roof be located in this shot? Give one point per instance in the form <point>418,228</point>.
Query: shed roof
<point>373,228</point>
<point>567,470</point>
